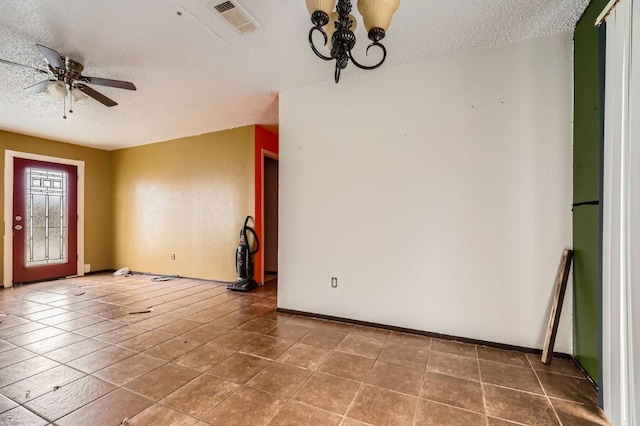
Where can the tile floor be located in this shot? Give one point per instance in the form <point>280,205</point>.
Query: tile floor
<point>73,353</point>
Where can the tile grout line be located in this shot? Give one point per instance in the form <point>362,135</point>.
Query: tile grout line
<point>536,394</point>
<point>28,409</point>
<point>199,418</point>
<point>500,386</point>
<point>275,413</point>
<point>317,370</point>
<point>545,393</point>
<point>424,373</point>
<point>52,421</point>
<point>359,388</point>
<point>117,388</point>
<point>484,397</point>
<point>342,417</point>
<point>419,398</point>
<point>242,385</point>
<point>577,375</point>
<point>123,386</point>
<point>276,360</point>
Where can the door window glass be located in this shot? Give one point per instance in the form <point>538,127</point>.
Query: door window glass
<point>46,221</point>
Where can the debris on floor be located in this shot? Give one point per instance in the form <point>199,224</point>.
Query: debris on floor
<point>78,293</point>
<point>122,272</point>
<point>146,311</point>
<point>163,278</point>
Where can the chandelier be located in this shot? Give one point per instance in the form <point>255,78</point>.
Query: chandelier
<point>337,28</point>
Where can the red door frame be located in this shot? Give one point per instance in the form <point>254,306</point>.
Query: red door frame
<point>266,143</point>
<point>21,273</point>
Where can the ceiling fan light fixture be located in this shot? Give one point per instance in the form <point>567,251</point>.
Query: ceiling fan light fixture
<point>78,95</point>
<point>57,90</point>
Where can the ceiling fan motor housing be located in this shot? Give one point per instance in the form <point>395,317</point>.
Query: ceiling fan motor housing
<point>72,71</point>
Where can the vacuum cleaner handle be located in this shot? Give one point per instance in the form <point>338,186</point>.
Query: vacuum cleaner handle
<point>255,237</point>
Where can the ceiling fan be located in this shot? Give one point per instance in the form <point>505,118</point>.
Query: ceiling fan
<point>65,78</point>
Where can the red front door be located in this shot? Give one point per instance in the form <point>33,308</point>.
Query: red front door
<point>45,220</point>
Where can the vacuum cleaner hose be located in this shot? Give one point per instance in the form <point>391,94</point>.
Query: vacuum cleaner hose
<point>255,237</point>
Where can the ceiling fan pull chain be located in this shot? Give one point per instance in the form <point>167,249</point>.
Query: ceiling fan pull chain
<point>70,101</point>
<point>64,107</point>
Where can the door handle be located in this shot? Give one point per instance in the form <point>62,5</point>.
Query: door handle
<point>18,227</point>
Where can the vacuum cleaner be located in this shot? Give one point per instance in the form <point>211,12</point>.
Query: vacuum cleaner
<point>244,260</point>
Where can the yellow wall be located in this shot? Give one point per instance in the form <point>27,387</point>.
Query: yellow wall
<point>187,196</point>
<point>97,225</point>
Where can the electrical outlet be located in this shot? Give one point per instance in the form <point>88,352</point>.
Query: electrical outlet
<point>334,282</point>
<point>173,256</point>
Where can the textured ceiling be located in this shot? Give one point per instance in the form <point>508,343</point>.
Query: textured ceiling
<point>196,74</point>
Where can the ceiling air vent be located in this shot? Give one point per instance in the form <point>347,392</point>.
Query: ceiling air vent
<point>235,15</point>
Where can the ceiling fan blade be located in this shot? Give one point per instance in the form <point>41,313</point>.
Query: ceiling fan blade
<point>108,82</point>
<point>39,87</point>
<point>96,95</point>
<point>53,58</point>
<point>4,61</point>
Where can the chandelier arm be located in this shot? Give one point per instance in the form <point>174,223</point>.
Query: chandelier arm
<point>313,47</point>
<point>370,67</point>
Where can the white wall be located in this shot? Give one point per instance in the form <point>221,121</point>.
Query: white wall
<point>439,193</point>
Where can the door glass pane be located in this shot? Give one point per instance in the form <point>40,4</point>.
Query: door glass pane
<point>46,221</point>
